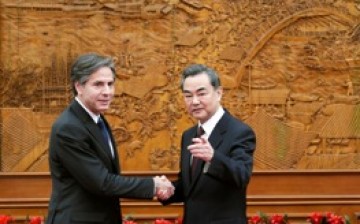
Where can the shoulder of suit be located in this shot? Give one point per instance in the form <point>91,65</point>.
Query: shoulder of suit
<point>190,129</point>
<point>232,120</point>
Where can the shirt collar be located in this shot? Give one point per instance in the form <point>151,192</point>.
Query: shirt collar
<point>210,124</point>
<point>92,115</point>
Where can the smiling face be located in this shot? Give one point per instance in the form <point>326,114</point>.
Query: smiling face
<point>98,91</point>
<point>201,98</point>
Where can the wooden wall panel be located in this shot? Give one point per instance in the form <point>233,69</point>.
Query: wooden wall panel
<point>294,193</point>
<point>290,69</point>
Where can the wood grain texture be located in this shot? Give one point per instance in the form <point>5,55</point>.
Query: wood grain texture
<point>295,193</point>
<point>290,69</point>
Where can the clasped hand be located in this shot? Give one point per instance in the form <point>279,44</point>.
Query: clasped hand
<point>164,188</point>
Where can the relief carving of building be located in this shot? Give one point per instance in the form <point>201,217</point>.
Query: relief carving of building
<point>290,69</point>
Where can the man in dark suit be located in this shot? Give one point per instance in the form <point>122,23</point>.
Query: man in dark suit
<point>215,167</point>
<point>84,163</point>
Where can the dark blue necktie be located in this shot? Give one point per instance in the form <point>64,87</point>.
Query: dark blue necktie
<point>104,131</point>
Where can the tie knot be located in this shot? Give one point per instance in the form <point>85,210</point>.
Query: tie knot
<point>200,131</point>
<point>100,120</point>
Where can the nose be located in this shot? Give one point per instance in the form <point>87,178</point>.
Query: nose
<point>195,99</point>
<point>107,89</point>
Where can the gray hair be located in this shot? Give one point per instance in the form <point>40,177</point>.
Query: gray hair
<point>197,69</point>
<point>87,64</point>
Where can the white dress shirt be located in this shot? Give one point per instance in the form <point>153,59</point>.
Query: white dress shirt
<point>209,126</point>
<point>96,119</point>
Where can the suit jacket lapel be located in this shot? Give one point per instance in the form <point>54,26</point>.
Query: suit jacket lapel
<point>93,129</point>
<point>215,140</point>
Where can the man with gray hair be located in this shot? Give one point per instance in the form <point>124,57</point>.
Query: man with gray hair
<point>84,163</point>
<point>216,154</point>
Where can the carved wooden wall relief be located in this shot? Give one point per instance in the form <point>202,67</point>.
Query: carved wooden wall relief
<point>290,69</point>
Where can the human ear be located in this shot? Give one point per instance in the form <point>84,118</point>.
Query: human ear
<point>78,87</point>
<point>219,92</point>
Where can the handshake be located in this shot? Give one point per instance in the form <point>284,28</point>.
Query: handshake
<point>163,188</point>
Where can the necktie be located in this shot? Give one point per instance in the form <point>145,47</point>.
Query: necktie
<point>104,131</point>
<point>200,131</point>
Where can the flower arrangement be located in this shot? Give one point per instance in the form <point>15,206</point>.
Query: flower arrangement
<point>6,219</point>
<point>262,218</point>
<point>129,220</point>
<point>314,218</point>
<point>327,218</point>
<point>36,220</point>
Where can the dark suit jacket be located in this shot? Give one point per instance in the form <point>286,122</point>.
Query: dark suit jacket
<point>217,196</point>
<point>86,185</point>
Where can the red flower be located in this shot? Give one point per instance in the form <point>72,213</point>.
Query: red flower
<point>179,220</point>
<point>256,219</point>
<point>162,221</point>
<point>36,220</point>
<point>5,219</point>
<point>129,222</point>
<point>278,219</point>
<point>315,218</point>
<point>335,219</point>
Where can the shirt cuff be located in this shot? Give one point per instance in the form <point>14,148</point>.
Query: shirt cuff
<point>206,167</point>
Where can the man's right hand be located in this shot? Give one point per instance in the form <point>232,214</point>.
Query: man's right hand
<point>163,188</point>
